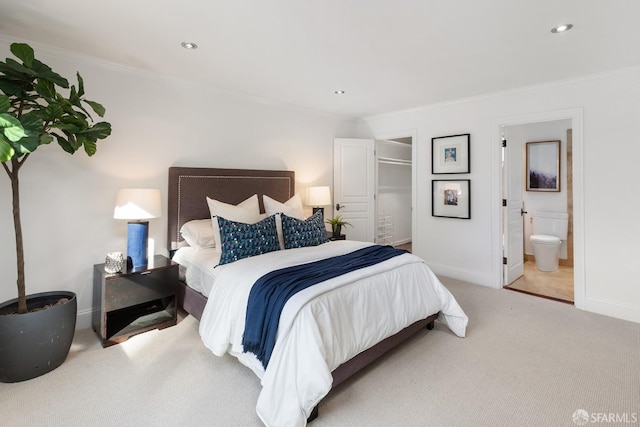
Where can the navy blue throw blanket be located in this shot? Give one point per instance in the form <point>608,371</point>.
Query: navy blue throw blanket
<point>270,293</point>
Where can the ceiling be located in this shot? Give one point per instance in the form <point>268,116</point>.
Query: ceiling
<point>387,55</point>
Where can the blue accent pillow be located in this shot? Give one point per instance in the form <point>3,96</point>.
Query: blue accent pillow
<point>240,240</point>
<point>301,233</point>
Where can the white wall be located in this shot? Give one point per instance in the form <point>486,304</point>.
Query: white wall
<point>68,201</point>
<point>535,201</point>
<point>466,249</point>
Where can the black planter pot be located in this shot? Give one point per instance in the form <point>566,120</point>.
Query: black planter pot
<point>337,229</point>
<point>35,343</point>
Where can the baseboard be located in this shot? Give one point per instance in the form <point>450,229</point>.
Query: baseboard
<point>83,320</point>
<point>612,309</point>
<point>461,274</point>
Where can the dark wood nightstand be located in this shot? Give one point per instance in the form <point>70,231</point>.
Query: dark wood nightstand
<point>135,301</point>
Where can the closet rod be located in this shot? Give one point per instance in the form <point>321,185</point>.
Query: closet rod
<point>391,161</point>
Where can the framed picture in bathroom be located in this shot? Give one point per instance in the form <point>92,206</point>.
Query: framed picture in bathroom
<point>450,154</point>
<point>451,198</point>
<point>543,166</point>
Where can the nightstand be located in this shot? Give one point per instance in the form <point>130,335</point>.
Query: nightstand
<point>340,237</point>
<point>134,301</point>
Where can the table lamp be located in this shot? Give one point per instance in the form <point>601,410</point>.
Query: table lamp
<point>136,205</point>
<point>317,197</point>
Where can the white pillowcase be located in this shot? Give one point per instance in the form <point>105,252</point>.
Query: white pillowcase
<point>247,211</point>
<point>292,208</point>
<point>198,233</point>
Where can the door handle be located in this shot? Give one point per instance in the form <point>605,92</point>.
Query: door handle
<point>338,206</point>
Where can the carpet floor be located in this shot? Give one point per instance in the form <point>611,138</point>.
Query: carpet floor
<point>525,361</point>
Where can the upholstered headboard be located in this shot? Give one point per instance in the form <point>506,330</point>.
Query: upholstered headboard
<point>189,188</point>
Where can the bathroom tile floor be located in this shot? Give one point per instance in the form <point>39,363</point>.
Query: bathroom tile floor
<point>557,285</point>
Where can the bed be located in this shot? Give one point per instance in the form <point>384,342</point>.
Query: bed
<point>292,384</point>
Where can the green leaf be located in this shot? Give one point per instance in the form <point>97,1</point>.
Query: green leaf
<point>12,128</point>
<point>45,88</point>
<point>100,130</point>
<point>98,108</point>
<point>79,141</point>
<point>14,68</point>
<point>32,120</point>
<point>28,144</point>
<point>44,71</point>
<point>6,150</point>
<point>75,101</point>
<point>80,85</point>
<point>72,124</point>
<point>73,141</point>
<point>24,52</point>
<point>73,97</point>
<point>90,148</point>
<point>65,144</point>
<point>5,103</point>
<point>8,87</point>
<point>34,113</point>
<point>53,112</point>
<point>45,139</point>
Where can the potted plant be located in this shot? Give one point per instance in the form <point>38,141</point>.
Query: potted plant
<point>336,225</point>
<point>36,330</point>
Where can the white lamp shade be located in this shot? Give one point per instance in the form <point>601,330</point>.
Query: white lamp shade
<point>318,196</point>
<point>137,203</point>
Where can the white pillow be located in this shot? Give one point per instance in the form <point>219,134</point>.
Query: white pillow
<point>198,233</point>
<point>292,208</point>
<point>247,211</point>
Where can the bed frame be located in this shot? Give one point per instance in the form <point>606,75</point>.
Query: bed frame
<point>188,189</point>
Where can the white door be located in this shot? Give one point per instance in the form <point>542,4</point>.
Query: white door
<point>353,186</point>
<point>513,227</point>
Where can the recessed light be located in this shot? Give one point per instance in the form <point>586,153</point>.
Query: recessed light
<point>338,92</point>
<point>562,28</point>
<point>189,45</point>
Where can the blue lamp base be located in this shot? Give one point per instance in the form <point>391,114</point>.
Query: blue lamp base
<point>319,209</point>
<point>137,237</point>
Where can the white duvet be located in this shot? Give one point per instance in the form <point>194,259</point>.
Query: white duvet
<point>324,325</point>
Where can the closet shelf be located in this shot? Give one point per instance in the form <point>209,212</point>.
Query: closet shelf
<point>391,161</point>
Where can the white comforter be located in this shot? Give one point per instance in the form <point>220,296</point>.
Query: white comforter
<point>324,325</point>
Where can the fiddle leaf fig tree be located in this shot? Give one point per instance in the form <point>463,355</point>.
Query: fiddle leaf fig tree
<point>33,113</point>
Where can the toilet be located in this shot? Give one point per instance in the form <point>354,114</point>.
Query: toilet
<point>549,230</point>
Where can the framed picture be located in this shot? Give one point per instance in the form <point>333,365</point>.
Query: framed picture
<point>451,198</point>
<point>543,166</point>
<point>450,154</point>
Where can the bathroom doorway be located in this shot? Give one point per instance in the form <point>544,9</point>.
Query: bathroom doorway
<point>525,277</point>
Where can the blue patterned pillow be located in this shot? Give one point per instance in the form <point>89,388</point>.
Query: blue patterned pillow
<point>240,240</point>
<point>300,233</point>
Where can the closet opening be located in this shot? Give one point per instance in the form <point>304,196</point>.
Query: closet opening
<point>393,192</point>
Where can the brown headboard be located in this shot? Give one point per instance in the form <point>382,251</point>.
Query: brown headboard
<point>189,187</point>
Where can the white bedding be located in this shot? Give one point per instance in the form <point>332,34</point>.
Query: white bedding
<point>319,328</point>
<point>199,266</point>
